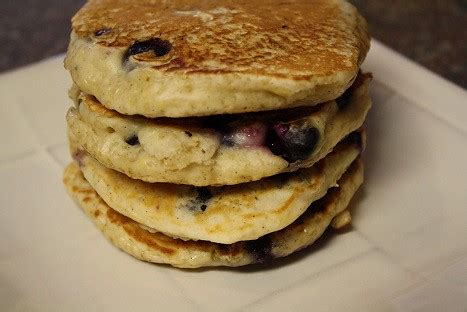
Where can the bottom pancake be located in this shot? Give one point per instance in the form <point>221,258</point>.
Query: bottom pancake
<point>143,244</point>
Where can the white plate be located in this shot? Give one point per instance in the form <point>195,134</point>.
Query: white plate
<point>406,252</point>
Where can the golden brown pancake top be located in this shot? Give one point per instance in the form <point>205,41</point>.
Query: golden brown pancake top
<point>298,39</point>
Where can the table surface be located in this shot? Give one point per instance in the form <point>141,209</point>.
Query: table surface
<point>428,32</point>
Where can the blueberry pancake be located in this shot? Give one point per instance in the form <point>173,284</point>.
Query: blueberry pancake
<point>145,244</point>
<point>216,150</point>
<point>186,58</point>
<point>220,214</point>
<point>216,133</point>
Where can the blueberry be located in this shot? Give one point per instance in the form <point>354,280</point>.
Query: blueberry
<point>293,141</point>
<point>102,31</point>
<point>133,141</point>
<point>260,249</point>
<point>158,46</point>
<point>200,202</point>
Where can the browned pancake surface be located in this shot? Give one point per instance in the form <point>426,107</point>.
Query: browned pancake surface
<point>296,39</point>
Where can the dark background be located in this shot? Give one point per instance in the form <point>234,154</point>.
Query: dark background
<point>430,32</point>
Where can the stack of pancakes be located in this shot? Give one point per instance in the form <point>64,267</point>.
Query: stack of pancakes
<point>216,133</point>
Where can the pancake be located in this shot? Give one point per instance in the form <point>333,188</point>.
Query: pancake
<point>180,59</point>
<point>135,240</point>
<point>220,214</point>
<point>216,150</point>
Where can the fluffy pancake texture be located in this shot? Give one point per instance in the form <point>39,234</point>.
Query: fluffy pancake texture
<point>197,151</point>
<point>135,240</point>
<point>220,214</point>
<point>178,59</point>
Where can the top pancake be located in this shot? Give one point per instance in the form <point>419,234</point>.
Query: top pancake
<point>178,59</point>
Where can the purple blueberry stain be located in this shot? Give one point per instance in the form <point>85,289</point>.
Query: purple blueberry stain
<point>252,135</point>
<point>78,156</point>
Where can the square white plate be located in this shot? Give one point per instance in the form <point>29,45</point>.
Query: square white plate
<point>407,250</point>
